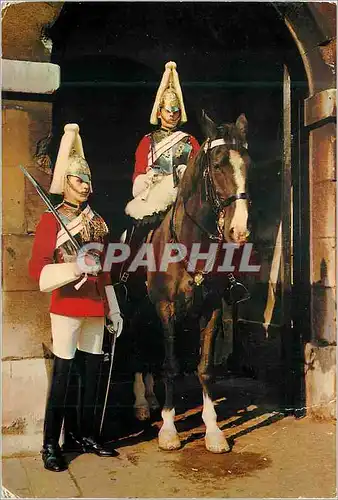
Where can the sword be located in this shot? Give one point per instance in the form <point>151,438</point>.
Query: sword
<point>44,196</point>
<point>112,353</point>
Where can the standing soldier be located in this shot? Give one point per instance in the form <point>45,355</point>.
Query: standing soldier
<point>79,301</point>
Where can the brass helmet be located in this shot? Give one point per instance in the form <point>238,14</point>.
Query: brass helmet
<point>169,94</point>
<point>70,160</point>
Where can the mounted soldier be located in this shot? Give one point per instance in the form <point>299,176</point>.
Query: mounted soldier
<point>160,162</point>
<point>162,155</point>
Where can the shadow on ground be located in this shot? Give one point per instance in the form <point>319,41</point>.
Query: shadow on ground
<point>240,404</point>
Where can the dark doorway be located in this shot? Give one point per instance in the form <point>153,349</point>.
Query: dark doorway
<point>231,58</point>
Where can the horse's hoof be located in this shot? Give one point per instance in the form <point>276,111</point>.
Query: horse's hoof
<point>142,413</point>
<point>153,403</point>
<point>216,442</point>
<point>168,440</point>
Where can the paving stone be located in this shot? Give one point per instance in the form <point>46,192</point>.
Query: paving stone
<point>15,478</point>
<point>47,484</point>
<point>96,476</point>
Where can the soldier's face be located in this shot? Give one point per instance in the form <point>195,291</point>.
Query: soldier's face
<point>76,190</point>
<point>169,119</point>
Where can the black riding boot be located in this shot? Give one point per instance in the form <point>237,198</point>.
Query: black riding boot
<point>72,420</point>
<point>89,366</point>
<point>55,409</point>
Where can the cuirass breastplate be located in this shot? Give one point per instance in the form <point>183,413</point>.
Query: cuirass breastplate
<point>174,156</point>
<point>94,230</point>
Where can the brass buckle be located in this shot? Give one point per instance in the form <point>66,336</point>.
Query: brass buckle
<point>124,277</point>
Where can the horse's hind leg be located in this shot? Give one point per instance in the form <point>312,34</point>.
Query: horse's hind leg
<point>150,395</point>
<point>168,438</point>
<point>141,405</point>
<point>215,440</point>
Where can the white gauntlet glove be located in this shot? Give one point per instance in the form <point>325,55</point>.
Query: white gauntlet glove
<point>143,182</point>
<point>180,170</point>
<point>54,276</point>
<point>114,311</point>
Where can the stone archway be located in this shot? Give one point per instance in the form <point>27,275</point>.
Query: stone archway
<point>313,27</point>
<point>28,84</point>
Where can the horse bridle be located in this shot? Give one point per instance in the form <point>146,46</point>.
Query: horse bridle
<point>211,195</point>
<point>218,206</point>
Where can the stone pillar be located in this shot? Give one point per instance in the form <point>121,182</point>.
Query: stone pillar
<point>320,353</point>
<point>28,81</point>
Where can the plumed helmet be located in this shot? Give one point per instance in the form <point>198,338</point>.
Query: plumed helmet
<point>70,160</point>
<point>169,94</point>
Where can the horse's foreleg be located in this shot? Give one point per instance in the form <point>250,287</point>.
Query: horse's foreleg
<point>141,405</point>
<point>215,440</point>
<point>168,438</point>
<point>150,395</point>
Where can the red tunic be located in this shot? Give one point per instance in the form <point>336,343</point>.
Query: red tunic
<point>89,300</point>
<point>141,155</point>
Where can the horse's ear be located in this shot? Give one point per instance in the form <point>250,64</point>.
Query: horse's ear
<point>208,125</point>
<point>242,125</point>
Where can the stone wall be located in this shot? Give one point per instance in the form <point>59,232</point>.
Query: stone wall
<point>26,125</point>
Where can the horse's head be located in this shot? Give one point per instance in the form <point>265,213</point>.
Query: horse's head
<point>225,165</point>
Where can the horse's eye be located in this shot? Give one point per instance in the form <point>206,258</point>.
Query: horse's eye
<point>217,166</point>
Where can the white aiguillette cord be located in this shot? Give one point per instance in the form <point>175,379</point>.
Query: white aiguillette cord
<point>80,283</point>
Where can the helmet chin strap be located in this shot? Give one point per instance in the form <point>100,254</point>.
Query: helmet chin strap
<point>72,188</point>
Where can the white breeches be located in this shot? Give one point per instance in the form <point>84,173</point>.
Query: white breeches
<point>69,333</point>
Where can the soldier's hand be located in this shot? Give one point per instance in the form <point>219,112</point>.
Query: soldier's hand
<point>89,263</point>
<point>180,170</point>
<point>116,323</point>
<point>157,178</point>
<point>153,175</point>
